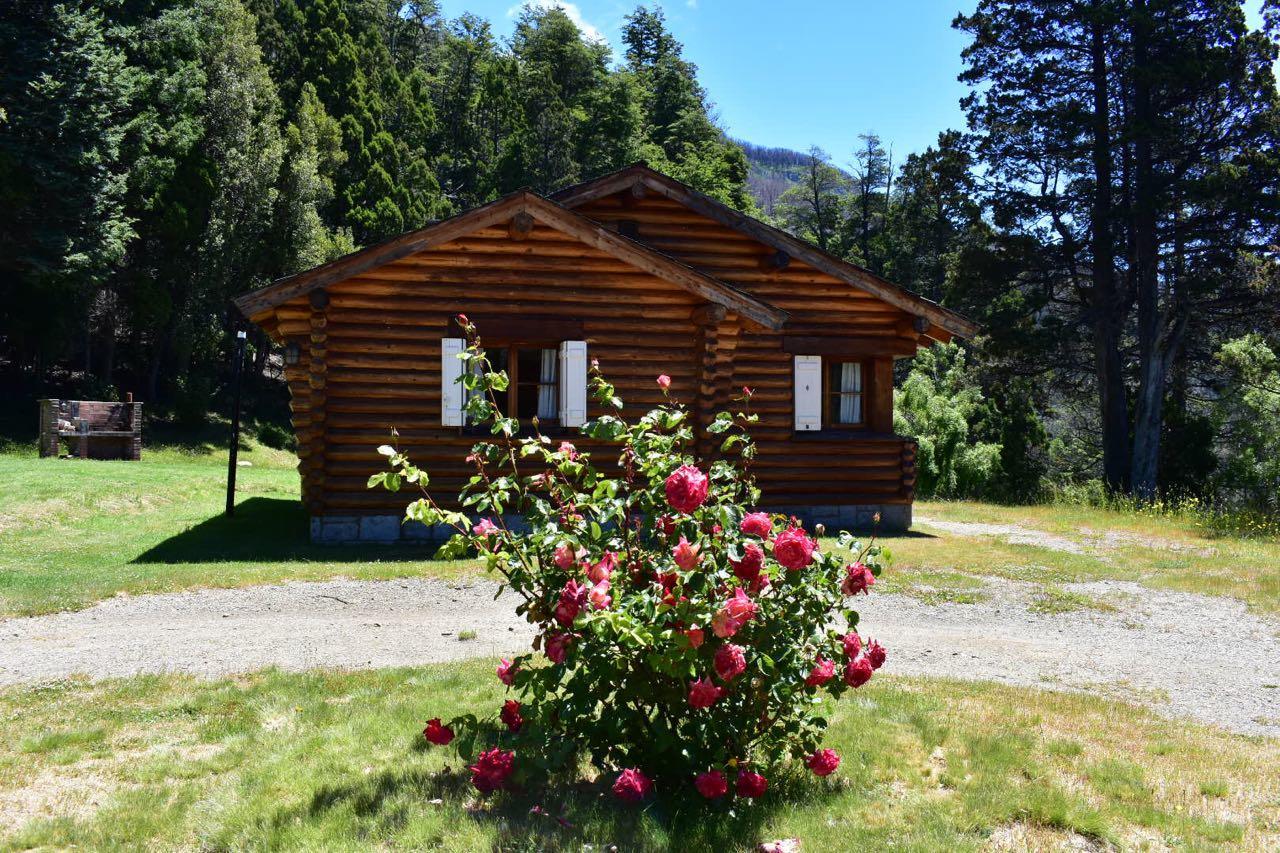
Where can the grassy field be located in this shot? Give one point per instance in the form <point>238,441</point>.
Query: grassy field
<point>74,532</point>
<point>334,761</point>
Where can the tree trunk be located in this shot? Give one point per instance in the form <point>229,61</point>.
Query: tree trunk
<point>1108,308</point>
<point>1153,344</point>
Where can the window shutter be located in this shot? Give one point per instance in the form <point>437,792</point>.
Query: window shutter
<point>451,390</point>
<point>808,392</point>
<point>573,383</point>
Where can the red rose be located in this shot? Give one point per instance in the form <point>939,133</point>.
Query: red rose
<point>510,715</point>
<point>875,654</point>
<point>572,598</point>
<point>730,662</point>
<point>436,733</point>
<point>686,555</point>
<point>748,568</point>
<point>686,489</point>
<point>491,769</point>
<point>695,636</point>
<point>703,693</point>
<point>823,762</point>
<point>823,671</point>
<point>852,644</point>
<point>664,381</point>
<point>793,548</point>
<point>632,786</point>
<point>857,579</point>
<point>667,525</point>
<point>757,524</point>
<point>751,784</point>
<point>711,784</point>
<point>857,672</point>
<point>507,672</point>
<point>557,647</point>
<point>565,557</point>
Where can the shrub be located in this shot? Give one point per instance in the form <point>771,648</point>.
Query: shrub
<point>681,637</point>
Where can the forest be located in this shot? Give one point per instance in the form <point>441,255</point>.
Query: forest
<point>1109,212</point>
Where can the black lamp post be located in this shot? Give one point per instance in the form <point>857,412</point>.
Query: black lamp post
<point>235,424</point>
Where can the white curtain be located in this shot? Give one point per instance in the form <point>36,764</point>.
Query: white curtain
<point>548,408</point>
<point>851,393</point>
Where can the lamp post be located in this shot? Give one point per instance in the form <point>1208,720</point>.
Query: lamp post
<point>235,424</point>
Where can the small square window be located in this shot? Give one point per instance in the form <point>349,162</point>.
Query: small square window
<point>844,393</point>
<point>534,374</point>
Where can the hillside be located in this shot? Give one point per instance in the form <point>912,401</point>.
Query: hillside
<point>773,172</point>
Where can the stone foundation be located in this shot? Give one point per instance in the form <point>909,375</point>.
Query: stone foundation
<point>387,529</point>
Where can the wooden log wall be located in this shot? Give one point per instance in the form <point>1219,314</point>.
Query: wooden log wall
<point>792,468</point>
<point>371,352</point>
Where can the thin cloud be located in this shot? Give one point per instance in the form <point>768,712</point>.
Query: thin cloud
<point>589,30</point>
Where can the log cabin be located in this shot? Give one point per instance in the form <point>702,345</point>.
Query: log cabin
<point>634,269</point>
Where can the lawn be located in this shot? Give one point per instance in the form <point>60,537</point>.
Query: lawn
<point>74,532</point>
<point>333,760</point>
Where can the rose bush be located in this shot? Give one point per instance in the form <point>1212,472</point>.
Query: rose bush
<point>684,636</point>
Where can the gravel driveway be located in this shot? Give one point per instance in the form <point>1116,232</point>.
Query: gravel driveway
<point>1201,657</point>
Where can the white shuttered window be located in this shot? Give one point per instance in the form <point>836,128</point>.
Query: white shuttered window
<point>573,383</point>
<point>451,390</point>
<point>808,393</point>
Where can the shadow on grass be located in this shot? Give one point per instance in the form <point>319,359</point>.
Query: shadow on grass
<point>562,817</point>
<point>267,530</point>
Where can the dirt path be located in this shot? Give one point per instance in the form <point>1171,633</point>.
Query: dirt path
<point>1201,657</point>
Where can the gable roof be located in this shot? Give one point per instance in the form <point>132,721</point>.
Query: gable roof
<point>669,187</point>
<point>259,302</point>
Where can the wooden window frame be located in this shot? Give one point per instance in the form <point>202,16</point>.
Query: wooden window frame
<point>828,415</point>
<point>512,348</point>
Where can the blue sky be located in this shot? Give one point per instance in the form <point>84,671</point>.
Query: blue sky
<point>797,73</point>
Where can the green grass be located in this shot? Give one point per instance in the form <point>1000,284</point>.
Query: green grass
<point>333,760</point>
<point>73,532</point>
<point>1054,599</point>
<point>1155,551</point>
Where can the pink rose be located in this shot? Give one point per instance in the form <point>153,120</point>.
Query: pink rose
<point>858,578</point>
<point>823,762</point>
<point>599,596</point>
<point>695,636</point>
<point>711,784</point>
<point>686,489</point>
<point>703,693</point>
<point>632,786</point>
<point>664,381</point>
<point>793,548</point>
<point>491,769</point>
<point>823,671</point>
<point>723,626</point>
<point>748,568</point>
<point>602,570</point>
<point>565,557</point>
<point>567,448</point>
<point>686,555</point>
<point>852,644</point>
<point>557,647</point>
<point>740,607</point>
<point>751,784</point>
<point>510,715</point>
<point>507,672</point>
<point>875,654</point>
<point>857,672</point>
<point>730,662</point>
<point>757,524</point>
<point>436,733</point>
<point>484,527</point>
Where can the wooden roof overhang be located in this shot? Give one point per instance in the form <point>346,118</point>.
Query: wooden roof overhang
<point>941,322</point>
<point>258,305</point>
